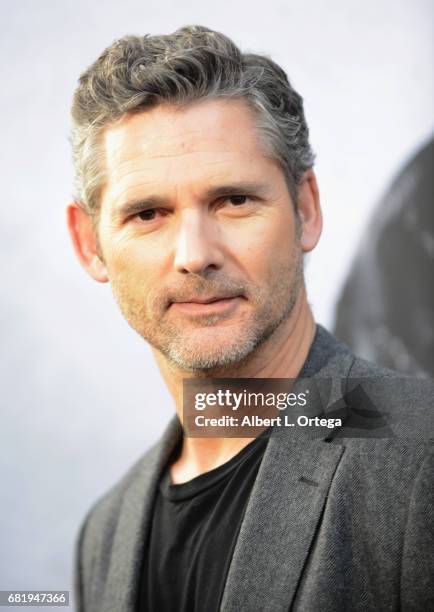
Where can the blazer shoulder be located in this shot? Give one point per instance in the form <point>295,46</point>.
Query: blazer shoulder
<point>405,402</point>
<point>93,545</point>
<point>364,368</point>
<point>107,507</point>
<point>128,499</point>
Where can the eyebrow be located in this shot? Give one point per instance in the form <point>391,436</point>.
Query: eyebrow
<point>131,207</point>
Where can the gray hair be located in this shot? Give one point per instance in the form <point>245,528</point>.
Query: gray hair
<point>137,73</point>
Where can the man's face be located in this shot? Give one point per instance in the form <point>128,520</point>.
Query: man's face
<point>198,232</point>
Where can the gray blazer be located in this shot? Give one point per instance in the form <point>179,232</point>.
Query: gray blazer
<point>333,522</point>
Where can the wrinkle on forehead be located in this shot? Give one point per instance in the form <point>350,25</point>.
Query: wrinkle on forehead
<point>205,124</point>
<point>170,146</point>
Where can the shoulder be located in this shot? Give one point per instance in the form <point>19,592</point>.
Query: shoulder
<point>94,543</point>
<point>105,510</point>
<point>405,402</point>
<point>101,518</point>
<point>389,434</point>
<point>127,498</point>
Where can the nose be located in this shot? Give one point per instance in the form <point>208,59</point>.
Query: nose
<point>197,245</point>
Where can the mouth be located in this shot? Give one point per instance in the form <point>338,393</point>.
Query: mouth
<point>206,306</point>
<point>201,300</point>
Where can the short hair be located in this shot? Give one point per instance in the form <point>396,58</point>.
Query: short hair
<point>137,73</point>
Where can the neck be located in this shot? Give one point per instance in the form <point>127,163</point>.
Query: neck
<point>281,356</point>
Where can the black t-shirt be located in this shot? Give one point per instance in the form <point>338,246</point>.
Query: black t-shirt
<point>193,533</point>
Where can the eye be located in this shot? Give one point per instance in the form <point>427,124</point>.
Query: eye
<point>236,205</point>
<point>147,215</point>
<point>237,200</point>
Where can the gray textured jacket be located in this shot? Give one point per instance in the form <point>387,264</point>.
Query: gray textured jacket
<point>333,522</point>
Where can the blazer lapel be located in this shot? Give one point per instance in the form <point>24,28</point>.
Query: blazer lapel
<point>279,524</point>
<point>131,530</point>
<point>286,503</point>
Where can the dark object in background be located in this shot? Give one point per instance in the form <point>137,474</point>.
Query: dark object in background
<point>386,310</point>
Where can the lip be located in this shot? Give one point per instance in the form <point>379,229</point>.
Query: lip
<point>209,300</point>
<point>206,306</point>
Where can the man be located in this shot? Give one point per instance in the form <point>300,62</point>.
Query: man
<point>196,200</point>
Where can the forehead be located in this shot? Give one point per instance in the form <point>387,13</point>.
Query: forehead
<point>207,141</point>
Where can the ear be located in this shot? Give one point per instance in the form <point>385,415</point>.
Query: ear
<point>309,210</point>
<point>81,230</point>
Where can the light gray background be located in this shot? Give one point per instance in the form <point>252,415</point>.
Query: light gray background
<point>81,396</point>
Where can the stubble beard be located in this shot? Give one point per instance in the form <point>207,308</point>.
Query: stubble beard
<point>212,349</point>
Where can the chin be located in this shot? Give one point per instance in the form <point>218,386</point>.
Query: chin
<point>208,353</point>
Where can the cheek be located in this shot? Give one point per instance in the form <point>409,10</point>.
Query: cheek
<point>132,258</point>
<point>135,276</point>
<point>266,248</point>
